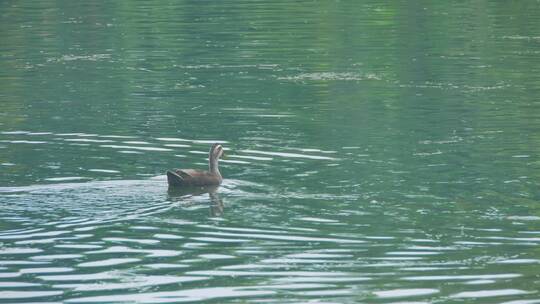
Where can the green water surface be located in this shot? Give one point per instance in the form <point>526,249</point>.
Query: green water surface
<point>378,151</point>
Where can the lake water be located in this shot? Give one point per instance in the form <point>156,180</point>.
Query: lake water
<point>378,151</point>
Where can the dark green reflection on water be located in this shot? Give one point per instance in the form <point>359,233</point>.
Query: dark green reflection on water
<point>379,152</point>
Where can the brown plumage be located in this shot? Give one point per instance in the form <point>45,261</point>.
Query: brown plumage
<point>196,178</point>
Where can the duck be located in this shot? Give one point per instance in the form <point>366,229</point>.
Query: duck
<point>199,178</point>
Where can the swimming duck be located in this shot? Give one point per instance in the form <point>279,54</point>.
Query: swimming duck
<point>197,178</point>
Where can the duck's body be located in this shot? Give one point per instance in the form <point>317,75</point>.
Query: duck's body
<point>196,178</point>
<point>191,178</point>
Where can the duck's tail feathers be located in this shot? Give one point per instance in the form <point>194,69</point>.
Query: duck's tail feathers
<point>174,179</point>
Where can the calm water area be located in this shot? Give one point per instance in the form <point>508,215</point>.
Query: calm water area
<point>378,151</point>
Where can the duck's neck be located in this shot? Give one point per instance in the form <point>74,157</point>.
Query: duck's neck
<point>213,165</point>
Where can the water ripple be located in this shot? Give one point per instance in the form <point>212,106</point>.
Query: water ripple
<point>189,295</point>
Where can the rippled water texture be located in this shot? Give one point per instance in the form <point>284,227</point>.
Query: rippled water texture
<point>378,151</point>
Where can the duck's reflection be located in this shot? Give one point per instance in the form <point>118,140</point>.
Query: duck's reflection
<point>185,194</point>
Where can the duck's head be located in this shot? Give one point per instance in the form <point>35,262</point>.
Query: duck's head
<point>216,151</point>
